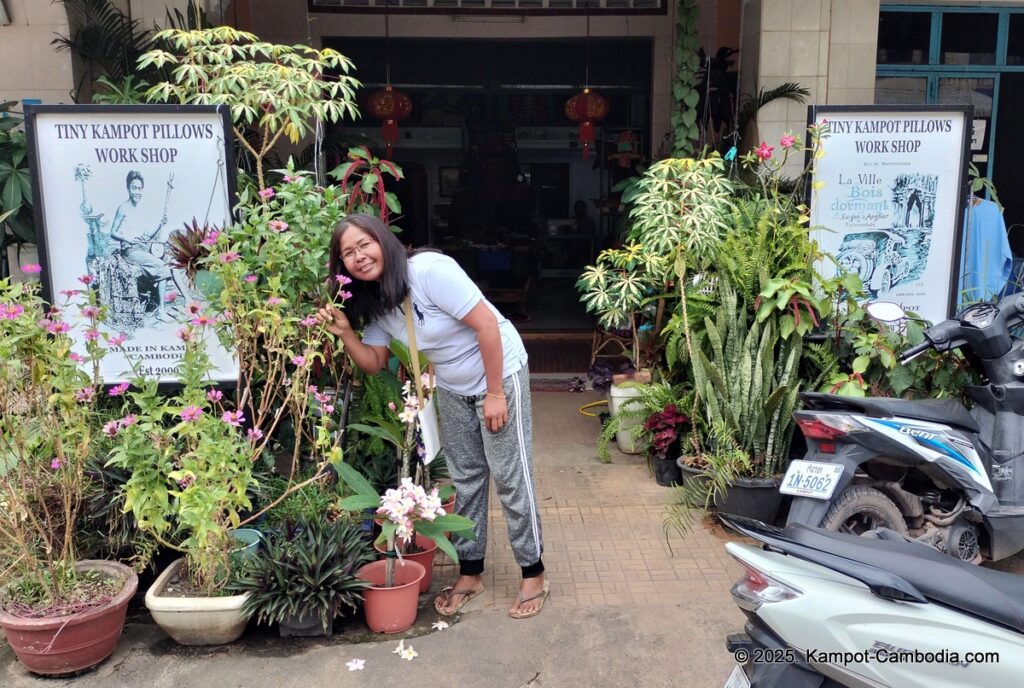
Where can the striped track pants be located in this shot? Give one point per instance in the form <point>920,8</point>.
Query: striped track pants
<point>475,454</point>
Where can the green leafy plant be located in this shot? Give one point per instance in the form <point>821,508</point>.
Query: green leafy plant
<point>361,179</point>
<point>49,425</point>
<point>747,379</point>
<point>651,398</point>
<point>309,571</point>
<point>17,223</point>
<point>272,90</point>
<point>686,58</point>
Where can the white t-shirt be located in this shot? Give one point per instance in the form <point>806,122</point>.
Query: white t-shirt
<point>442,294</point>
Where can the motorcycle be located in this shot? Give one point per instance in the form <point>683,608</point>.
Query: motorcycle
<point>932,469</point>
<point>826,609</point>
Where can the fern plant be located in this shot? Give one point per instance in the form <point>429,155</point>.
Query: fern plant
<point>651,398</point>
<point>311,572</point>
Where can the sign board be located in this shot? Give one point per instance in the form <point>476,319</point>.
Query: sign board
<point>111,183</point>
<point>887,200</point>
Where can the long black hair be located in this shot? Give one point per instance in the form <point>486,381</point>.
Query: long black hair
<point>371,299</point>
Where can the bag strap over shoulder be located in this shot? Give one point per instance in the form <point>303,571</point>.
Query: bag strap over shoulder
<point>414,353</point>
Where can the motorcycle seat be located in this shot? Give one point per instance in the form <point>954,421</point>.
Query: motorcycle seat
<point>945,411</point>
<point>995,596</point>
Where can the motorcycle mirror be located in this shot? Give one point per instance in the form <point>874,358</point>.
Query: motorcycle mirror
<point>886,311</point>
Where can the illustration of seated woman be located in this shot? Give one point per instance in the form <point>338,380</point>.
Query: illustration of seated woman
<point>133,258</point>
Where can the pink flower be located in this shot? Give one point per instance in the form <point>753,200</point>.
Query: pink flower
<point>112,428</point>
<point>55,464</point>
<point>266,194</point>
<point>211,238</point>
<point>70,293</point>
<point>90,312</point>
<point>32,268</point>
<point>345,295</point>
<point>235,418</point>
<point>118,340</point>
<point>172,297</point>
<point>278,225</point>
<point>299,360</point>
<point>194,308</point>
<point>308,321</point>
<point>215,395</point>
<point>392,406</point>
<point>11,312</point>
<point>254,434</point>
<point>118,390</point>
<point>321,397</point>
<point>58,327</point>
<point>327,409</point>
<point>250,278</point>
<point>764,151</point>
<point>130,419</point>
<point>289,179</point>
<point>190,413</point>
<point>85,395</point>
<point>54,311</point>
<point>229,256</point>
<point>274,301</point>
<point>86,279</point>
<point>202,320</point>
<point>185,482</point>
<point>92,335</point>
<point>787,141</point>
<point>343,280</point>
<point>184,334</point>
<point>77,358</point>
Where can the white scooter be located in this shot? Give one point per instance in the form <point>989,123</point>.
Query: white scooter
<point>828,609</point>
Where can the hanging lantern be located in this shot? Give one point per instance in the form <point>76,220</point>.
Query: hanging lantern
<point>389,105</point>
<point>588,109</point>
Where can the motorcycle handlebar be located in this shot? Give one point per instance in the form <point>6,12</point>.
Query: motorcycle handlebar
<point>915,350</point>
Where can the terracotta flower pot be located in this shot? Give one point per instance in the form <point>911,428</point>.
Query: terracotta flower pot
<point>424,558</point>
<point>67,644</point>
<point>391,610</point>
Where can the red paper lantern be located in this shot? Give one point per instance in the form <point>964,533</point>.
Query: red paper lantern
<point>588,109</point>
<point>389,105</point>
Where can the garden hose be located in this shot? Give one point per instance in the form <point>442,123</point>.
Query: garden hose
<point>582,409</point>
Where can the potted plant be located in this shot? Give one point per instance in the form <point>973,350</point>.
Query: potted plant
<point>60,615</point>
<point>304,577</point>
<point>408,511</point>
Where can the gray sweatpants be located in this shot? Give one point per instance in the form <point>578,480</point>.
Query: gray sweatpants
<point>474,454</point>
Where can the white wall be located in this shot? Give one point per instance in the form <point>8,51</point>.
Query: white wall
<point>827,46</point>
<point>29,66</point>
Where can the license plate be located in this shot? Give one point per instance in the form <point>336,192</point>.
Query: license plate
<point>737,679</point>
<point>811,479</point>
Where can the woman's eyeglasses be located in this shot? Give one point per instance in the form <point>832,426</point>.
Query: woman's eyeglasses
<point>359,248</point>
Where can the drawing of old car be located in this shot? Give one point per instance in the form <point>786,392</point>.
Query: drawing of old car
<point>877,256</point>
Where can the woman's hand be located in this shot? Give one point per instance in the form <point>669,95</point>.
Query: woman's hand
<point>495,412</point>
<point>335,320</point>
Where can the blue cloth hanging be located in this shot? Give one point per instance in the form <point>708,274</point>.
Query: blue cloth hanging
<point>985,257</point>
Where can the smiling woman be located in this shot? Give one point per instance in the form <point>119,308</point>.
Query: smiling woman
<point>482,381</point>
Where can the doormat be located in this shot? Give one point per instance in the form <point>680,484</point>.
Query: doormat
<point>540,383</point>
<point>558,355</point>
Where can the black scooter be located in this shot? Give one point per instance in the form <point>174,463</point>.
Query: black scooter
<point>932,469</point>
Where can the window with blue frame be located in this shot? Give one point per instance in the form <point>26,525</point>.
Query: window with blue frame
<point>955,55</point>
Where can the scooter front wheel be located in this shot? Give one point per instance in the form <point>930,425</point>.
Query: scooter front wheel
<point>860,509</point>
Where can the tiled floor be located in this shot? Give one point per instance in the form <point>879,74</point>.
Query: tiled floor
<point>604,543</point>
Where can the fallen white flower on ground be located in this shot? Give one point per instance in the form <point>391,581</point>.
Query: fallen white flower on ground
<point>439,625</point>
<point>406,653</point>
<point>356,664</point>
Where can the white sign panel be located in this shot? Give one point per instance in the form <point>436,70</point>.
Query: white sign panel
<point>112,183</point>
<point>888,201</point>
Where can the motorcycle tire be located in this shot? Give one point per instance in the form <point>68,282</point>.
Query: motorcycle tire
<point>860,509</point>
